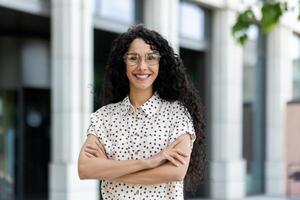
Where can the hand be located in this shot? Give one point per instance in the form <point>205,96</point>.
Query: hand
<point>94,150</point>
<point>171,154</point>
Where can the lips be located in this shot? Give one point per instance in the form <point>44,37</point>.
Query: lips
<point>142,77</point>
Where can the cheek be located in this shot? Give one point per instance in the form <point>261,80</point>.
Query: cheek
<point>128,72</point>
<point>156,71</point>
<point>129,76</point>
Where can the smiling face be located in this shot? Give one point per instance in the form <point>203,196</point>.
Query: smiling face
<point>142,75</point>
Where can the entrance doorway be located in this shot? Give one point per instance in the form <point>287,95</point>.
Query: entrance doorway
<point>24,105</point>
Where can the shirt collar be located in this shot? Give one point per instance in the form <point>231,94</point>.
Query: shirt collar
<point>150,107</point>
<point>125,105</point>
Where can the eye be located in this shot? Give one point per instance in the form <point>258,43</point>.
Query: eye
<point>152,56</point>
<point>132,57</point>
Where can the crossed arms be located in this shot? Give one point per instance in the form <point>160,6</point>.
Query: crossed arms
<point>169,165</point>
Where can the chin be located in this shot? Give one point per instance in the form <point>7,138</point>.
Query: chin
<point>142,87</point>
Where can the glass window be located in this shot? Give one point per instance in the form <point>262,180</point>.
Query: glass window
<point>250,59</point>
<point>249,2</point>
<point>191,29</point>
<point>296,67</point>
<point>254,110</point>
<point>116,10</point>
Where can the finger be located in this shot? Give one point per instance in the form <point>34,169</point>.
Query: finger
<point>100,152</point>
<point>179,158</point>
<point>172,160</point>
<point>91,151</point>
<point>94,148</point>
<point>89,155</point>
<point>181,153</point>
<point>99,146</point>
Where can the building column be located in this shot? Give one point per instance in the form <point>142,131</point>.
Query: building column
<point>227,166</point>
<point>72,75</point>
<point>278,91</point>
<point>162,16</point>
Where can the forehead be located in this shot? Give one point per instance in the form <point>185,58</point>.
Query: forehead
<point>138,45</point>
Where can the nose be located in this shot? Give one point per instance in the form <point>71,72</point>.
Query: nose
<point>142,65</point>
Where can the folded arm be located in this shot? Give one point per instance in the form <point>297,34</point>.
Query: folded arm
<point>165,173</point>
<point>100,167</point>
<point>94,164</point>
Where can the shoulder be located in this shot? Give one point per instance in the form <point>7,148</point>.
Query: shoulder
<point>179,111</point>
<point>178,107</point>
<point>175,109</point>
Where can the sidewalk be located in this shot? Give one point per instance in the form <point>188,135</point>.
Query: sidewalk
<point>271,198</point>
<point>261,198</point>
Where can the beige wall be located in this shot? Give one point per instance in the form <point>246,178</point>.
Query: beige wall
<point>293,149</point>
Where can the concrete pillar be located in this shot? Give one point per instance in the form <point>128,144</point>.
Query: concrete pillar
<point>278,91</point>
<point>162,16</point>
<point>71,46</point>
<point>227,165</point>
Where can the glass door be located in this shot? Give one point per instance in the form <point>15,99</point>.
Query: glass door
<point>8,129</point>
<point>36,142</point>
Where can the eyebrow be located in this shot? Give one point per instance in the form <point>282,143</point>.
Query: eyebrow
<point>139,54</point>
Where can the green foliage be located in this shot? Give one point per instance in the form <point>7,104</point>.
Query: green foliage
<point>299,10</point>
<point>244,20</point>
<point>271,12</point>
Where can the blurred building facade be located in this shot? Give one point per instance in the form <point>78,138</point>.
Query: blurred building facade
<point>52,58</point>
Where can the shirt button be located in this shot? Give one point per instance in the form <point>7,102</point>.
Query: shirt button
<point>132,110</point>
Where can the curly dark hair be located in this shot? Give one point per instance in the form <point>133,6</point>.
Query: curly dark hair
<point>171,84</point>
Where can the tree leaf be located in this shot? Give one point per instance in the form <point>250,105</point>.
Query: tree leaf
<point>243,22</point>
<point>299,10</point>
<point>243,38</point>
<point>271,13</point>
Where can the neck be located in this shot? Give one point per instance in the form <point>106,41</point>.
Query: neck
<point>139,97</point>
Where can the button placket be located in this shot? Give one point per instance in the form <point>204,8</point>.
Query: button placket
<point>133,134</point>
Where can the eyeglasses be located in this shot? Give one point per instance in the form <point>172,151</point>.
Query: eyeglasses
<point>134,59</point>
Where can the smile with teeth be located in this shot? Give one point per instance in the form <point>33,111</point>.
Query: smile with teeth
<point>142,76</point>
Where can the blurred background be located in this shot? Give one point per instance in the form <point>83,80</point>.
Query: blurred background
<point>52,58</point>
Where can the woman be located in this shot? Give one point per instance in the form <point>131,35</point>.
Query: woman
<point>139,143</point>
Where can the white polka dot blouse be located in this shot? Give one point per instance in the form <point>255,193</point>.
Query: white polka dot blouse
<point>129,133</point>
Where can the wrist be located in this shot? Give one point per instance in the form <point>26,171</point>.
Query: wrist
<point>148,163</point>
<point>155,161</point>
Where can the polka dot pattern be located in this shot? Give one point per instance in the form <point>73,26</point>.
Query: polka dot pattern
<point>129,133</point>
